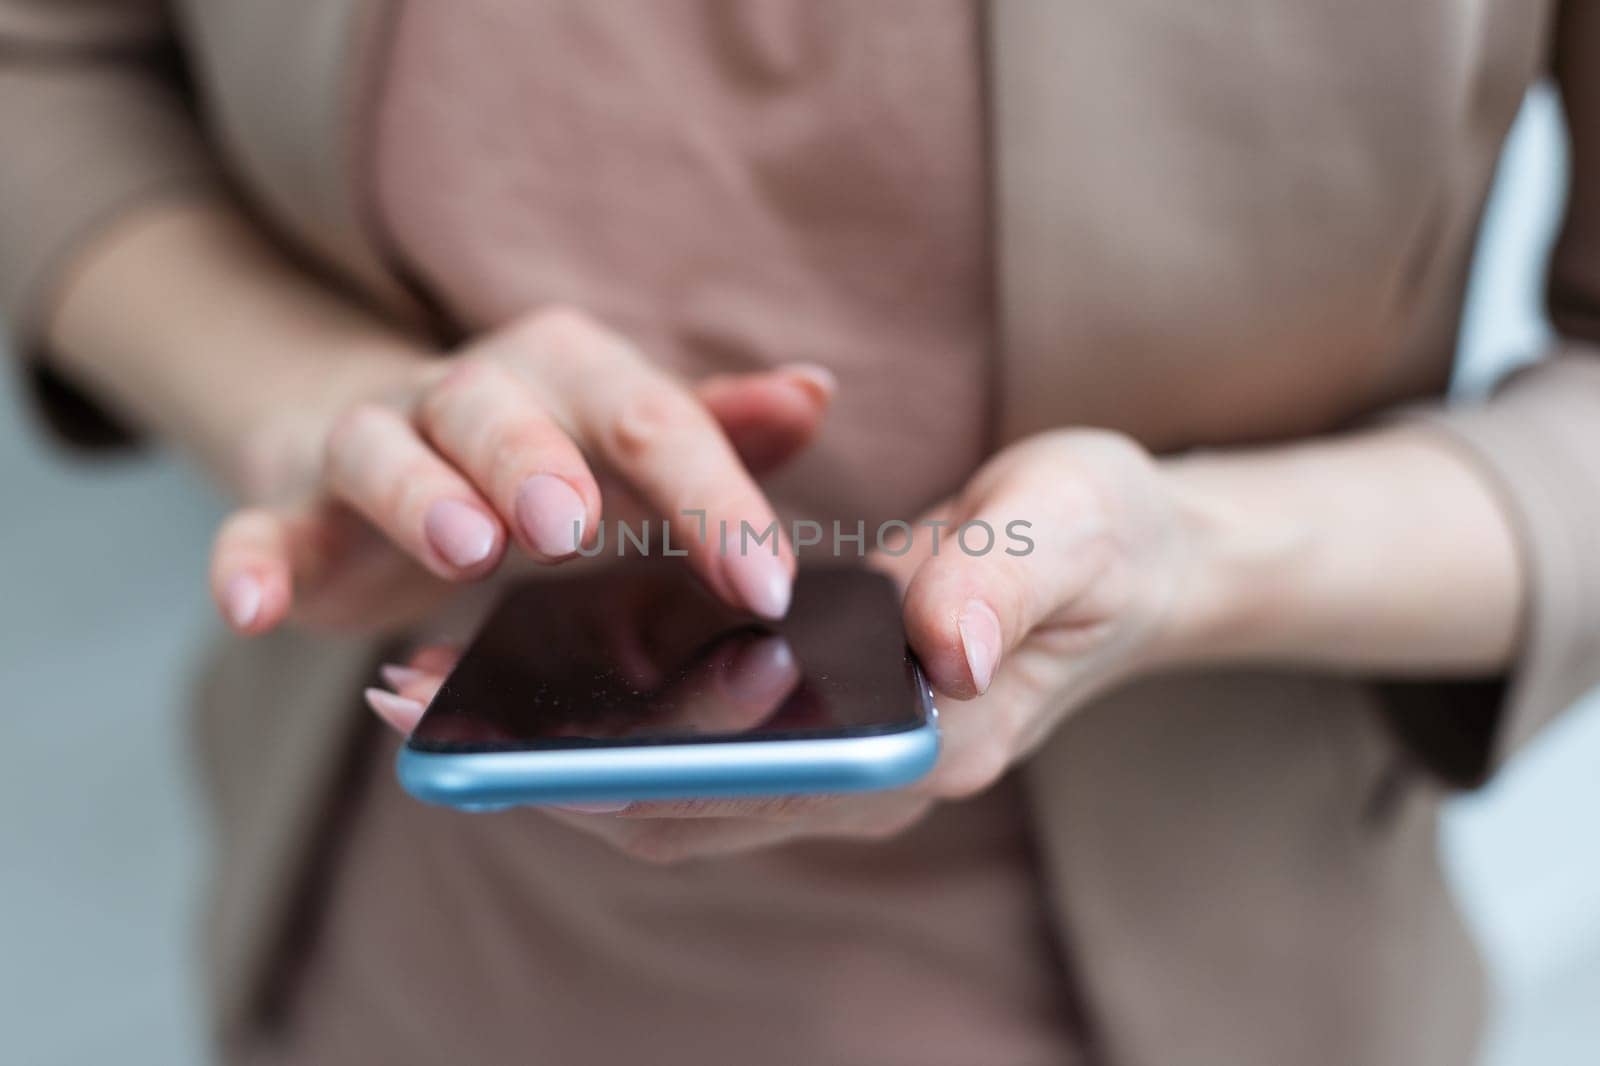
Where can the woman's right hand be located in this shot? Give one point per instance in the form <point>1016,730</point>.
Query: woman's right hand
<point>401,494</point>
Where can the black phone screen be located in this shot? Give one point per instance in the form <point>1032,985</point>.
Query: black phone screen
<point>644,655</point>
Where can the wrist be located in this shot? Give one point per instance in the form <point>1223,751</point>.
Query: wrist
<point>1239,561</point>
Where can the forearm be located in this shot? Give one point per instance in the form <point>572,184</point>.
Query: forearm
<point>193,325</point>
<point>1385,551</point>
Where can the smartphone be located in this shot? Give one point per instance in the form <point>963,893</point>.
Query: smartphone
<point>635,684</point>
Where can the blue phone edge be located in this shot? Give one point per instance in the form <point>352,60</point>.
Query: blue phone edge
<point>486,781</point>
<point>494,780</point>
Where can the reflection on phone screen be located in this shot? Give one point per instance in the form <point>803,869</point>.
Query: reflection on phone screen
<point>645,656</point>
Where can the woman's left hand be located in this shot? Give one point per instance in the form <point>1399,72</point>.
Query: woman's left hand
<point>1058,571</point>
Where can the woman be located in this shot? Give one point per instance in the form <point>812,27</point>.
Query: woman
<point>658,242</point>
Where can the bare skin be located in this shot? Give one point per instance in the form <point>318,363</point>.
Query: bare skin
<point>375,477</point>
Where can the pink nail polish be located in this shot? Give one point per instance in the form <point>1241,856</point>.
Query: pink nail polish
<point>401,714</point>
<point>398,677</point>
<point>980,640</point>
<point>551,514</point>
<point>761,582</point>
<point>242,598</point>
<point>459,532</point>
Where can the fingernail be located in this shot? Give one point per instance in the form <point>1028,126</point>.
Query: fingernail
<point>762,583</point>
<point>459,532</point>
<point>399,712</point>
<point>242,598</point>
<point>593,807</point>
<point>551,514</point>
<point>399,676</point>
<point>822,380</point>
<point>980,639</point>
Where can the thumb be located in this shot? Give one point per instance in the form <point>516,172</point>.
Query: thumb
<point>1008,559</point>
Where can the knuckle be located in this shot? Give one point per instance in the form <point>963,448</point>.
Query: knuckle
<point>647,416</point>
<point>1085,499</point>
<point>467,376</point>
<point>357,424</point>
<point>1118,450</point>
<point>515,444</point>
<point>562,328</point>
<point>416,484</point>
<point>1101,461</point>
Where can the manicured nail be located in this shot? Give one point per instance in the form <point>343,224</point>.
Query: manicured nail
<point>399,676</point>
<point>551,514</point>
<point>593,807</point>
<point>399,712</point>
<point>761,581</point>
<point>822,380</point>
<point>459,532</point>
<point>980,639</point>
<point>242,598</point>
